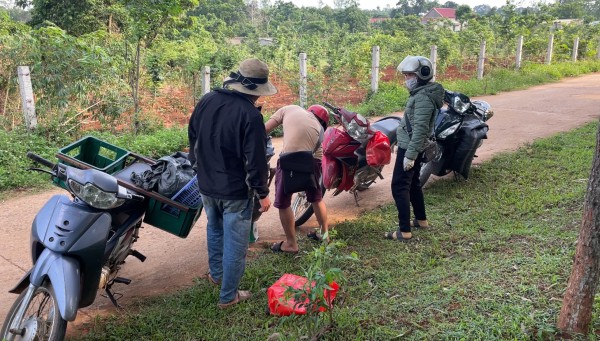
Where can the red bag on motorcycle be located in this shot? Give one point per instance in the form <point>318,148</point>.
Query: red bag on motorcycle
<point>379,152</point>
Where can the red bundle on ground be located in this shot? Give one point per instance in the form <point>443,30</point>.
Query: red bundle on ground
<point>279,304</point>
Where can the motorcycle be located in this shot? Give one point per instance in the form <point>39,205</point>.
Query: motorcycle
<point>77,245</point>
<point>459,131</point>
<point>353,156</point>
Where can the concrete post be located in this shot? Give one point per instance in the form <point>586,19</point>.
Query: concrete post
<point>549,52</point>
<point>575,48</point>
<point>205,83</point>
<point>27,99</point>
<point>481,61</point>
<point>433,58</point>
<point>519,52</point>
<point>303,76</point>
<point>375,69</point>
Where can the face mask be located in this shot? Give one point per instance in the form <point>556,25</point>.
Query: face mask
<point>411,83</point>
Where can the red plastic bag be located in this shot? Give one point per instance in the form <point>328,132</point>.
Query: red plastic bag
<point>379,151</point>
<point>281,305</point>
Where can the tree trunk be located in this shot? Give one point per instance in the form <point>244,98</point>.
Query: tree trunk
<point>576,313</point>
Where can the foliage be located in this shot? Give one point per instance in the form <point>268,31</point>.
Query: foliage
<point>320,275</point>
<point>101,59</point>
<point>75,17</point>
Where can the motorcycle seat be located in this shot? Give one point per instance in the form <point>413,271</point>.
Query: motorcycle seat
<point>388,126</point>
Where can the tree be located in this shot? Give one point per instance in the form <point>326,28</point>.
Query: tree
<point>147,18</point>
<point>463,14</point>
<point>482,9</point>
<point>576,312</point>
<point>354,18</point>
<point>75,17</point>
<point>450,4</point>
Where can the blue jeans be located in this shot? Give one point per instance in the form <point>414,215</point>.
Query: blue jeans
<point>227,235</point>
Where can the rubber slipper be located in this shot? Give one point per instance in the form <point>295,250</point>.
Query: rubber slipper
<point>415,224</point>
<point>394,235</point>
<point>211,280</point>
<point>276,247</point>
<point>314,235</point>
<point>241,296</point>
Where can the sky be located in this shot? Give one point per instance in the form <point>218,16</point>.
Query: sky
<point>373,4</point>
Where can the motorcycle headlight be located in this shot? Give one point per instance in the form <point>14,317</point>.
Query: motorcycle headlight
<point>459,105</point>
<point>448,131</point>
<point>357,131</point>
<point>94,196</point>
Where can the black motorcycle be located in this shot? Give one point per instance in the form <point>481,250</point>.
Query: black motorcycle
<point>459,131</point>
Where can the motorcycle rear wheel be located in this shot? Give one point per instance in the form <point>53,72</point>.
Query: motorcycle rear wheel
<point>426,172</point>
<point>42,319</point>
<point>302,209</point>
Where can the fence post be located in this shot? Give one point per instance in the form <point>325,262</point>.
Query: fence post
<point>27,97</point>
<point>519,52</point>
<point>375,69</point>
<point>549,52</point>
<point>205,83</point>
<point>598,52</point>
<point>433,58</point>
<point>303,80</point>
<point>481,61</point>
<point>575,48</point>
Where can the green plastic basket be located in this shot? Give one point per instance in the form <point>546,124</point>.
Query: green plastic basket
<point>95,153</point>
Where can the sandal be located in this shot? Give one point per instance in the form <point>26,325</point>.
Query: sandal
<point>415,223</point>
<point>211,280</point>
<point>393,235</point>
<point>241,295</point>
<point>276,247</point>
<point>316,236</point>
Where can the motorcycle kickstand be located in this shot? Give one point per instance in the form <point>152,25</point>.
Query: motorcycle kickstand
<point>109,292</point>
<point>356,198</point>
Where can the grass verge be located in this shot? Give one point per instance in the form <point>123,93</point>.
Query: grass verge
<point>493,267</point>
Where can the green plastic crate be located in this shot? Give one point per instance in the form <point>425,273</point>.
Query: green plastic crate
<point>95,153</point>
<point>169,219</point>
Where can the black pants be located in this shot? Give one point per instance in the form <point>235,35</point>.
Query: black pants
<point>406,190</point>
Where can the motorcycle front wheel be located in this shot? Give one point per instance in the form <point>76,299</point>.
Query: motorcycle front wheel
<point>301,208</point>
<point>42,320</point>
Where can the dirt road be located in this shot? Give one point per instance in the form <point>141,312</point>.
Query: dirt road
<point>172,263</point>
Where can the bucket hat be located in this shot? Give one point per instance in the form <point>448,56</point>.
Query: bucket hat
<point>252,78</point>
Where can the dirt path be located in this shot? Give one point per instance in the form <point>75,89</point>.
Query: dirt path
<point>173,263</point>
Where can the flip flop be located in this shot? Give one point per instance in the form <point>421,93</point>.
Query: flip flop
<point>241,296</point>
<point>314,235</point>
<point>276,247</point>
<point>211,280</point>
<point>393,235</point>
<point>415,224</point>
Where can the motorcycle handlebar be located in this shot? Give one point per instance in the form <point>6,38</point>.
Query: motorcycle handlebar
<point>331,107</point>
<point>40,160</point>
<point>137,197</point>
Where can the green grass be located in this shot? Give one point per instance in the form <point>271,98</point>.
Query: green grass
<point>494,266</point>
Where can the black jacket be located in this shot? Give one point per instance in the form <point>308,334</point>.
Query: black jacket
<point>228,146</point>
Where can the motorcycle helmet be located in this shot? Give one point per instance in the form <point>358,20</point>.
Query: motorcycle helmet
<point>320,113</point>
<point>419,65</point>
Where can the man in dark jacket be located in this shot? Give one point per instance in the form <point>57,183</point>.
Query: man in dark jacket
<point>426,98</point>
<point>228,150</point>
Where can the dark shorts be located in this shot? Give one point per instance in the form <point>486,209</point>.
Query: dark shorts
<point>283,200</point>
